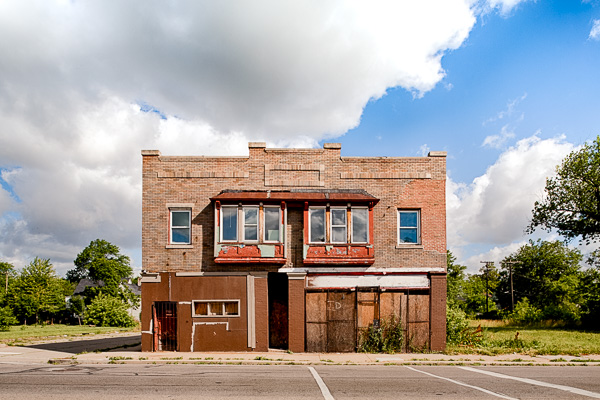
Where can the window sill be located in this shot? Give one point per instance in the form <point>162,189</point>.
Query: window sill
<point>409,246</point>
<point>179,246</point>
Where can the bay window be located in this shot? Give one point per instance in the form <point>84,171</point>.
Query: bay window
<point>336,225</point>
<point>255,224</point>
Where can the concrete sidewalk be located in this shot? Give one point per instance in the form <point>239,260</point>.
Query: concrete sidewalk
<point>124,348</point>
<point>32,355</point>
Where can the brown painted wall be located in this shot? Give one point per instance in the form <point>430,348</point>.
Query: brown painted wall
<point>207,336</point>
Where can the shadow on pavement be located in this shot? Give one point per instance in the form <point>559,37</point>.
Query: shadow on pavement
<point>90,345</point>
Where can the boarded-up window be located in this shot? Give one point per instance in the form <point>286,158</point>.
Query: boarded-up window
<point>218,308</point>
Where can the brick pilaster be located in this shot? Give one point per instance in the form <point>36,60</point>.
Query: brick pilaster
<point>438,311</point>
<point>296,312</point>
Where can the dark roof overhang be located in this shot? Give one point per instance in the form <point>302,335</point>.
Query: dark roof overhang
<point>298,195</point>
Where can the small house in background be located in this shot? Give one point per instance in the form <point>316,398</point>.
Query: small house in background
<point>83,284</point>
<point>298,249</point>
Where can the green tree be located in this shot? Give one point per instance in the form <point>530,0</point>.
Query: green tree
<point>38,291</point>
<point>455,282</point>
<point>480,291</point>
<point>548,275</point>
<point>7,274</point>
<point>572,201</point>
<point>590,292</point>
<point>102,261</point>
<point>108,311</point>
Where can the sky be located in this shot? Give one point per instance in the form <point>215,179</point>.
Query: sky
<point>506,87</point>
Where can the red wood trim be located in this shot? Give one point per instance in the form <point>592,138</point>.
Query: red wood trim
<point>371,227</point>
<point>249,260</point>
<point>306,222</point>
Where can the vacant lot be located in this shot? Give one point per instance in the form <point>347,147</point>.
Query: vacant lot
<point>30,333</point>
<point>497,337</point>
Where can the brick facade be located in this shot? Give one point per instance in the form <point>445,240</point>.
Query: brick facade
<point>293,180</point>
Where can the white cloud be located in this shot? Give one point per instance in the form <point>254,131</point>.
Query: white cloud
<point>424,150</point>
<point>595,32</point>
<point>505,6</point>
<point>497,141</point>
<point>220,74</point>
<point>496,207</point>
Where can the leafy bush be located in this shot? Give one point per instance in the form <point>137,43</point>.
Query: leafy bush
<point>388,338</point>
<point>6,319</point>
<point>525,313</point>
<point>108,311</point>
<point>456,324</point>
<point>458,331</point>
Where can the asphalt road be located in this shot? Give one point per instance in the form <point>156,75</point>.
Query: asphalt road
<point>28,381</point>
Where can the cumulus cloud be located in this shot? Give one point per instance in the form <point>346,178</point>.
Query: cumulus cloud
<point>595,32</point>
<point>85,85</point>
<point>496,207</point>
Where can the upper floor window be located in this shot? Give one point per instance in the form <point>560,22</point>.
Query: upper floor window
<point>409,227</point>
<point>253,220</point>
<point>360,225</point>
<point>272,224</point>
<point>250,224</point>
<point>339,231</point>
<point>340,222</point>
<point>229,226</point>
<point>180,226</point>
<point>316,225</point>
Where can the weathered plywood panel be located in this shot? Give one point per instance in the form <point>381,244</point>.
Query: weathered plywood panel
<point>368,309</point>
<point>418,312</point>
<point>341,321</point>
<point>316,322</point>
<point>316,337</point>
<point>391,304</point>
<point>316,307</point>
<point>341,306</point>
<point>341,336</point>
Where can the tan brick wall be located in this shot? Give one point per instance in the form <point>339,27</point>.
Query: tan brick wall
<point>412,182</point>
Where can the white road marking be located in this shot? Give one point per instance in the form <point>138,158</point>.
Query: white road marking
<point>502,396</point>
<point>326,394</point>
<point>538,383</point>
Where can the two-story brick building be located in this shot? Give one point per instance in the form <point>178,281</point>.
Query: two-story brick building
<point>298,249</point>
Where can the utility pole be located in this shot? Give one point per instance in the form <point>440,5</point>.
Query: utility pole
<point>512,293</point>
<point>487,295</point>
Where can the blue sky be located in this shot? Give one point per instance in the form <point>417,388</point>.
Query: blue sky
<point>506,87</point>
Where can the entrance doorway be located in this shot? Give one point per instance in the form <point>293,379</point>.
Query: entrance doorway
<point>164,319</point>
<point>278,310</point>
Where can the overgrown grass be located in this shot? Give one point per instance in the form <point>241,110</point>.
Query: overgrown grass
<point>25,333</point>
<point>546,337</point>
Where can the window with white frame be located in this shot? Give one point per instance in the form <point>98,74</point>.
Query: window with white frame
<point>215,308</point>
<point>180,230</point>
<point>316,225</point>
<point>341,222</point>
<point>339,231</point>
<point>251,223</point>
<point>409,227</point>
